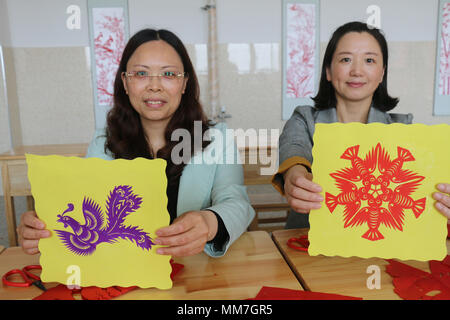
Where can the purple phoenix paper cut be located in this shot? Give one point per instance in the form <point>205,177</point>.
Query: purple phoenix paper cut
<point>86,237</point>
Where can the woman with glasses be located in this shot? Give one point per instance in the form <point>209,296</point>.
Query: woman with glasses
<point>353,88</point>
<point>156,96</point>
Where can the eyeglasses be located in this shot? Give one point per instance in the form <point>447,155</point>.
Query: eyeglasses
<point>144,76</point>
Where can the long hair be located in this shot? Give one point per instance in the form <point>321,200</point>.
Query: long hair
<point>125,136</point>
<point>326,96</point>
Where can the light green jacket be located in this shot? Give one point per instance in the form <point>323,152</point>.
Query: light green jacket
<point>208,181</point>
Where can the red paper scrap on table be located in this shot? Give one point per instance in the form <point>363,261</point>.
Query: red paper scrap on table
<point>272,293</point>
<point>414,284</point>
<point>176,268</point>
<point>62,292</point>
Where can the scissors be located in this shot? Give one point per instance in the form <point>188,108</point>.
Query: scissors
<point>301,243</point>
<point>28,278</point>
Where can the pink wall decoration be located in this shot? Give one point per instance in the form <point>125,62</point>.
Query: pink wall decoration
<point>442,75</point>
<point>301,40</point>
<point>109,42</point>
<point>108,35</point>
<point>300,50</point>
<point>444,55</point>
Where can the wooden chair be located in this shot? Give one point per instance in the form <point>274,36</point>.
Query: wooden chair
<point>267,201</point>
<point>15,177</point>
<point>252,170</point>
<point>15,183</point>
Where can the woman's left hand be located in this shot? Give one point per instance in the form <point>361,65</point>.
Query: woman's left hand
<point>443,199</point>
<point>188,234</point>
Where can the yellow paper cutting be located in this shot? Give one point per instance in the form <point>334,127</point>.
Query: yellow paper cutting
<point>378,182</point>
<point>102,216</point>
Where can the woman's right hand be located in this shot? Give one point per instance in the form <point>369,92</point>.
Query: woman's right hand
<point>301,193</point>
<point>30,230</point>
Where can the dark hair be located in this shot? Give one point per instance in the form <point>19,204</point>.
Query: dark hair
<point>326,96</point>
<point>125,136</point>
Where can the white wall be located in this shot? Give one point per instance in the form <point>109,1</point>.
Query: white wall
<point>41,23</point>
<point>5,140</point>
<point>5,38</point>
<point>401,20</point>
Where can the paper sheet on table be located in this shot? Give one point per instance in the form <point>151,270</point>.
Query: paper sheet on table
<point>103,216</point>
<point>378,182</point>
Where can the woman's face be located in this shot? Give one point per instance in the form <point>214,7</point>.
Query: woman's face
<point>155,98</point>
<point>356,68</point>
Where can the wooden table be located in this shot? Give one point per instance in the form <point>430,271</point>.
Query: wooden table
<point>251,262</point>
<point>345,276</point>
<point>15,176</point>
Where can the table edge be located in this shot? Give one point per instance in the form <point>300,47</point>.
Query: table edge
<point>290,264</point>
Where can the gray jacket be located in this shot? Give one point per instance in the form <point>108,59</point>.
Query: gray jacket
<point>297,136</point>
<point>297,140</point>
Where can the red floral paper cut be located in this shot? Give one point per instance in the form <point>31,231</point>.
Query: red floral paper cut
<point>376,199</point>
<point>414,284</point>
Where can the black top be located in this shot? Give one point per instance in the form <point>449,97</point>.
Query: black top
<point>222,235</point>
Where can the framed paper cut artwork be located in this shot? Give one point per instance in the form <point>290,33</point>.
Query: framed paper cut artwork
<point>301,42</point>
<point>108,32</point>
<point>102,216</point>
<point>442,80</point>
<point>378,182</point>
